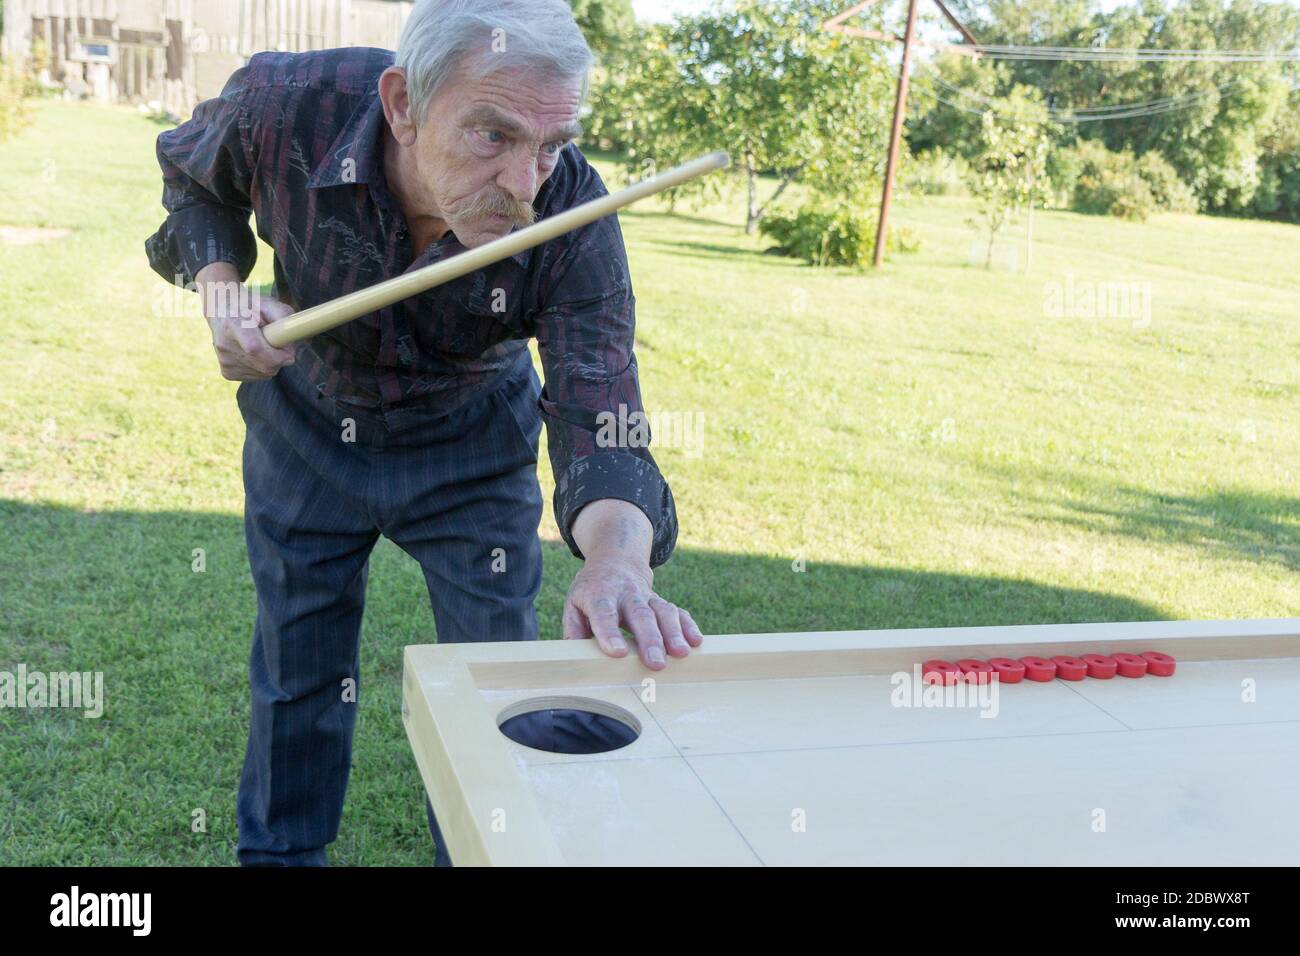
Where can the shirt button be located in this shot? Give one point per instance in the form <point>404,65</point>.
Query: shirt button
<point>401,234</point>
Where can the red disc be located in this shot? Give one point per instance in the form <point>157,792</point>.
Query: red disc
<point>939,672</point>
<point>1008,671</point>
<point>1070,668</point>
<point>1100,666</point>
<point>1130,665</point>
<point>1039,669</point>
<point>983,673</point>
<point>1161,665</point>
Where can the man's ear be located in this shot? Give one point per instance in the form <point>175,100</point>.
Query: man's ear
<point>397,105</point>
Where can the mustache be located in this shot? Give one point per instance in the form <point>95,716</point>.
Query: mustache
<point>498,202</point>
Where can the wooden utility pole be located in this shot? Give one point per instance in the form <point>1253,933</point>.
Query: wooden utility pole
<point>908,39</point>
<point>895,136</point>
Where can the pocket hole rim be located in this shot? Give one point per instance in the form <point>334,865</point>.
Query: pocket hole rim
<point>590,705</point>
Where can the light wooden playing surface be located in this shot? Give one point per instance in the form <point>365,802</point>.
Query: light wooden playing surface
<point>789,749</point>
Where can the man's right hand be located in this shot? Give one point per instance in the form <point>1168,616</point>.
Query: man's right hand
<point>236,315</point>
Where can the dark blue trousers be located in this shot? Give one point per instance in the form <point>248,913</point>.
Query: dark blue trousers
<point>322,481</point>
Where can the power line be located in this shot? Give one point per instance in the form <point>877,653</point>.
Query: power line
<point>1106,54</point>
<point>980,111</point>
<point>1095,53</point>
<point>1088,114</point>
<point>1066,117</point>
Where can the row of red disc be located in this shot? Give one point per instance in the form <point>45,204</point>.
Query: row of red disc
<point>1005,670</point>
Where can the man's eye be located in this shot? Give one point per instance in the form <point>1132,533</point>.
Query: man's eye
<point>495,137</point>
<point>552,149</point>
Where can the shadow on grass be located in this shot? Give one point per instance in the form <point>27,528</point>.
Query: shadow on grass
<point>769,256</point>
<point>1225,523</point>
<point>710,250</point>
<point>115,592</point>
<point>665,216</point>
<point>139,564</point>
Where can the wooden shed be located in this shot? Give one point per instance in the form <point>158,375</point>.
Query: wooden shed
<point>174,53</point>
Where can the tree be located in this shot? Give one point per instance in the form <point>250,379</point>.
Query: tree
<point>1278,195</point>
<point>942,121</point>
<point>605,23</point>
<point>1009,169</point>
<point>761,80</point>
<point>1215,140</point>
<point>1224,114</point>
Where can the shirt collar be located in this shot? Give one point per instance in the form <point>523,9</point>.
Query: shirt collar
<point>353,155</point>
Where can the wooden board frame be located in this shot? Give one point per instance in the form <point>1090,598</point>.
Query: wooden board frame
<point>472,779</point>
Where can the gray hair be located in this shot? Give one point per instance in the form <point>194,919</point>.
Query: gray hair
<point>484,36</point>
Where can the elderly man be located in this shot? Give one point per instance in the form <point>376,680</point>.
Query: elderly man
<point>420,421</point>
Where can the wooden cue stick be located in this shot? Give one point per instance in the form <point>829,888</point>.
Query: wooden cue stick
<point>328,315</point>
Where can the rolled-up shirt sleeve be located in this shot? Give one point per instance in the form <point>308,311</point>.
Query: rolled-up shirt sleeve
<point>591,399</point>
<point>207,166</point>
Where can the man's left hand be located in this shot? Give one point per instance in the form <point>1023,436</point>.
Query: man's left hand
<point>615,588</point>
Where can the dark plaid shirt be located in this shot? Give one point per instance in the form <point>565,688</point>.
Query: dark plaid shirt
<point>296,139</point>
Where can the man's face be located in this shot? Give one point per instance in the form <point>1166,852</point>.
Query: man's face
<point>486,146</point>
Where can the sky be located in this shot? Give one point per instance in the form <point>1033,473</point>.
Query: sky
<point>661,10</point>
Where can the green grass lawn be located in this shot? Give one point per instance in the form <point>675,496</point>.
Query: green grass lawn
<point>936,444</point>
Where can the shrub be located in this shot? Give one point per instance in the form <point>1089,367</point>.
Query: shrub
<point>14,111</point>
<point>1108,184</point>
<point>1120,184</point>
<point>824,232</point>
<point>1278,196</point>
<point>1169,192</point>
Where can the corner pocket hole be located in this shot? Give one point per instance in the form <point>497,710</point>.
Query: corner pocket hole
<point>569,725</point>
